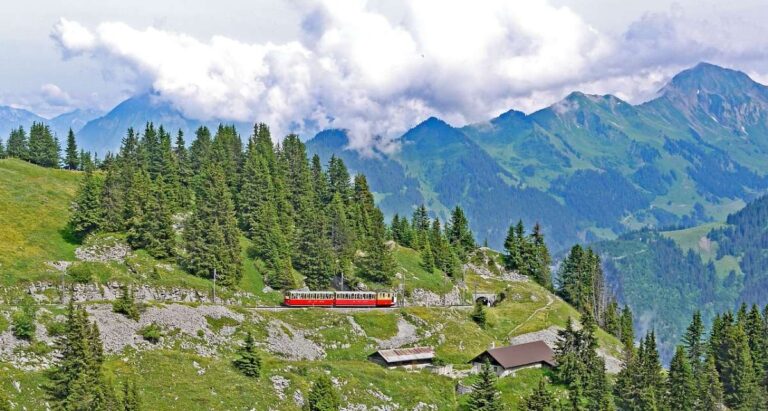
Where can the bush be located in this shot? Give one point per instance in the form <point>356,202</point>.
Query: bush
<point>478,314</point>
<point>56,328</point>
<point>83,273</point>
<point>126,304</point>
<point>23,321</point>
<point>151,333</point>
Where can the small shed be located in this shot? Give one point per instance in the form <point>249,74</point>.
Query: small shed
<point>507,360</point>
<point>416,357</point>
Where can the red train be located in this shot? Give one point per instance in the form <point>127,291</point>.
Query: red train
<point>339,299</point>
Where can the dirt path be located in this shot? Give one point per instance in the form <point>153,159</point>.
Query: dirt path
<point>550,301</point>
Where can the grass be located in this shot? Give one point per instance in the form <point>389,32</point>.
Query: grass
<point>34,208</point>
<point>415,276</point>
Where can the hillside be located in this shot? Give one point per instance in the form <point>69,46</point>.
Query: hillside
<point>590,167</point>
<point>190,367</point>
<point>666,275</point>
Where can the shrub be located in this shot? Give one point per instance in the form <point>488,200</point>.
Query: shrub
<point>83,273</point>
<point>126,304</point>
<point>151,333</point>
<point>478,314</point>
<point>56,328</point>
<point>23,321</point>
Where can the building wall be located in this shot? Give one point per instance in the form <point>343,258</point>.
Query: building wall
<point>503,372</point>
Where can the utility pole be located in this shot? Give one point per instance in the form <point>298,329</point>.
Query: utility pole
<point>214,286</point>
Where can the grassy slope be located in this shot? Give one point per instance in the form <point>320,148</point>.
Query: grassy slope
<point>695,238</point>
<point>34,205</point>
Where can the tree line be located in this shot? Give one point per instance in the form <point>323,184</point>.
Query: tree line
<point>300,216</point>
<point>43,148</point>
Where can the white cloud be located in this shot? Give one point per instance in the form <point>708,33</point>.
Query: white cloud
<point>356,68</point>
<point>55,96</point>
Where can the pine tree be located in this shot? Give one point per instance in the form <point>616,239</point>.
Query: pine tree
<point>540,399</point>
<point>540,259</point>
<point>681,386</point>
<point>211,236</point>
<point>459,234</point>
<point>151,227</point>
<point>2,149</point>
<point>710,388</point>
<point>513,259</point>
<point>248,361</point>
<point>77,381</point>
<point>376,261</point>
<point>18,144</point>
<point>627,327</point>
<point>485,396</point>
<point>730,345</point>
<point>44,148</point>
<point>113,199</point>
<point>693,341</point>
<point>323,396</point>
<point>72,157</point>
<point>131,400</point>
<point>86,209</point>
<point>427,257</point>
<point>184,167</point>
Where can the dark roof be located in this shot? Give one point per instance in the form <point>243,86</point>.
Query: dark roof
<point>407,354</point>
<point>513,356</point>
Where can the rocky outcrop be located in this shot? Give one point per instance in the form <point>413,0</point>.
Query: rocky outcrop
<point>42,291</point>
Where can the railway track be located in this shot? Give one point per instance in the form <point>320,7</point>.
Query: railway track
<point>343,309</point>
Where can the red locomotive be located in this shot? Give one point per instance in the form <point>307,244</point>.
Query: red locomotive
<point>339,299</point>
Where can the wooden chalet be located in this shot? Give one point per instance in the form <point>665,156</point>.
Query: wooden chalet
<point>507,360</point>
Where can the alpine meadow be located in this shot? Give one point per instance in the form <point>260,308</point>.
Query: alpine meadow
<point>378,206</point>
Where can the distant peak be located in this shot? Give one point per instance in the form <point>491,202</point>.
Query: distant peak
<point>433,121</point>
<point>709,77</point>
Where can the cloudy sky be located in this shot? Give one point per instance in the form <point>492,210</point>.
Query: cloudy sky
<point>373,67</point>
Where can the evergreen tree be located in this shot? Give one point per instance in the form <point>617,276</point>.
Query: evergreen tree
<point>131,399</point>
<point>485,396</point>
<point>540,399</point>
<point>323,396</point>
<point>627,327</point>
<point>86,209</point>
<point>341,234</point>
<point>112,199</point>
<point>376,261</point>
<point>151,227</point>
<point>693,341</point>
<point>201,150</point>
<point>77,381</point>
<point>184,167</point>
<point>72,156</point>
<point>681,386</point>
<point>210,235</point>
<point>248,361</point>
<point>710,388</point>
<point>44,148</point>
<point>427,257</point>
<point>612,321</point>
<point>729,344</point>
<point>459,234</point>
<point>513,244</point>
<point>540,259</point>
<point>2,149</point>
<point>18,144</point>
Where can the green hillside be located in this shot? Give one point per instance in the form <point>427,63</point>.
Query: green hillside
<point>588,167</point>
<point>191,367</point>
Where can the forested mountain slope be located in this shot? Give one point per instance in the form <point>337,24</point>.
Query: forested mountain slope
<point>590,167</point>
<point>666,275</point>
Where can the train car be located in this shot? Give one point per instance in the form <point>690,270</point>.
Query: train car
<point>309,298</point>
<point>339,299</point>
